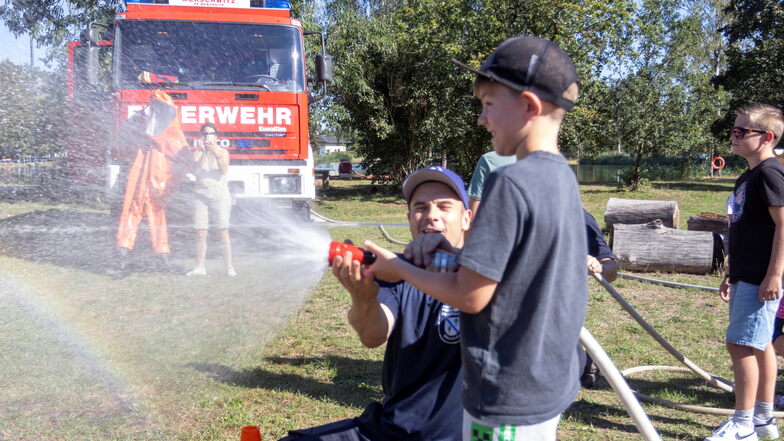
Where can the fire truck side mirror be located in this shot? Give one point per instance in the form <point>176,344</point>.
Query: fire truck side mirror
<point>92,64</point>
<point>324,68</point>
<point>90,36</point>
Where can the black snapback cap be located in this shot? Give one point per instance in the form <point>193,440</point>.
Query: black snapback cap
<point>531,64</point>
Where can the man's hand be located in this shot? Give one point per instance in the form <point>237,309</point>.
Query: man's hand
<point>724,289</point>
<point>386,266</point>
<point>770,288</point>
<point>354,278</point>
<point>594,266</point>
<point>420,250</point>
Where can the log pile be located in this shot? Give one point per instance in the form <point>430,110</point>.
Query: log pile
<point>654,247</point>
<point>633,211</point>
<point>713,222</point>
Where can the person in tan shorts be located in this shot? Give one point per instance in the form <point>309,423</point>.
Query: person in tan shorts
<point>211,198</point>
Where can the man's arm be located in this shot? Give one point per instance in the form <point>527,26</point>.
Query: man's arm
<point>372,321</point>
<point>466,289</point>
<point>770,288</point>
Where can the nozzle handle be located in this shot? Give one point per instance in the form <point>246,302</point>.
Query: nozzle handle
<point>364,257</point>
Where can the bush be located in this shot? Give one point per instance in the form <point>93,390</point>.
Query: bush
<point>335,157</point>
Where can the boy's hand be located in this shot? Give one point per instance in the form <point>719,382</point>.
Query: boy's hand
<point>420,250</point>
<point>354,278</point>
<point>770,288</point>
<point>724,289</point>
<point>386,266</point>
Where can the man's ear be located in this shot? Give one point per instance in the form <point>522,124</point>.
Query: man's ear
<point>468,216</point>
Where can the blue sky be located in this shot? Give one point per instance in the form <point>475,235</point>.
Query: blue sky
<point>17,50</point>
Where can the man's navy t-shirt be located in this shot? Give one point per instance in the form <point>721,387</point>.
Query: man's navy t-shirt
<point>421,378</point>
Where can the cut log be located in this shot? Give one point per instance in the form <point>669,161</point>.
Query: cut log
<point>633,211</point>
<point>654,247</point>
<point>716,223</point>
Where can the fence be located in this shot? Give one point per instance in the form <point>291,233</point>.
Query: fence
<point>40,171</point>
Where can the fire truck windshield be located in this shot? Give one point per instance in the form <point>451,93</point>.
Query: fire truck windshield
<point>202,55</point>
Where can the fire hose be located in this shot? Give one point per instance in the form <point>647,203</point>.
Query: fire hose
<point>690,366</point>
<point>380,226</point>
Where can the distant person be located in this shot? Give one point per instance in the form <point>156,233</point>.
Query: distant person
<point>521,286</point>
<point>756,264</point>
<point>486,164</point>
<point>211,198</point>
<point>421,376</point>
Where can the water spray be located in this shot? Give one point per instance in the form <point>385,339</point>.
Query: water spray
<point>362,256</point>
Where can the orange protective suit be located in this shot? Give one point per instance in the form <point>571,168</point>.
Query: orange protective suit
<point>153,176</point>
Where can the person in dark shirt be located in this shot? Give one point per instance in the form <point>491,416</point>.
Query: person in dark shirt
<point>422,376</point>
<point>756,264</point>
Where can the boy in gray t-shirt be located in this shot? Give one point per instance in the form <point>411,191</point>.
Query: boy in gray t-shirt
<point>521,286</point>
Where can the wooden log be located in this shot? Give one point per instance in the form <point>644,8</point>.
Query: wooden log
<point>633,211</point>
<point>713,222</point>
<point>654,247</point>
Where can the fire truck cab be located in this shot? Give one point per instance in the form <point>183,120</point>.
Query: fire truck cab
<point>239,64</point>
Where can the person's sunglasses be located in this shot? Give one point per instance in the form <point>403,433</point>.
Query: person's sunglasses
<point>741,132</point>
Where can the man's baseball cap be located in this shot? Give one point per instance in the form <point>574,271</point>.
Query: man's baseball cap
<point>530,64</point>
<point>435,174</point>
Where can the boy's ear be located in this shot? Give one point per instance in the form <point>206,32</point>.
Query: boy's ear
<point>535,105</point>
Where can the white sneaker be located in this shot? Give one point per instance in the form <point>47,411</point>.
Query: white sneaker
<point>769,430</point>
<point>230,271</point>
<point>731,431</point>
<point>197,272</point>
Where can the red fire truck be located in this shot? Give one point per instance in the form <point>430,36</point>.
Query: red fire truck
<point>239,64</point>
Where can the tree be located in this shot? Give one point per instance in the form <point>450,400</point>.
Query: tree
<point>31,118</point>
<point>407,104</point>
<point>661,102</point>
<point>755,57</point>
<point>54,23</point>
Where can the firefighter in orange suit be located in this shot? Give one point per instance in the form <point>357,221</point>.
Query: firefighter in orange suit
<point>156,135</point>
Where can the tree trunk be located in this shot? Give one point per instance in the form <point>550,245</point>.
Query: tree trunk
<point>713,222</point>
<point>653,247</point>
<point>633,211</point>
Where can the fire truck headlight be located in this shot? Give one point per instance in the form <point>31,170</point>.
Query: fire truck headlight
<point>284,184</point>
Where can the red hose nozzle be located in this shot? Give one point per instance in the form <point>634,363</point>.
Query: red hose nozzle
<point>364,257</point>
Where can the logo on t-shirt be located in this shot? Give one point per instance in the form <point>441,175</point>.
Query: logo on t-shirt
<point>449,324</point>
<point>737,202</point>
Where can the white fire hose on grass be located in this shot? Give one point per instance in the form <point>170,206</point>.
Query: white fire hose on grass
<point>690,366</point>
<point>619,385</point>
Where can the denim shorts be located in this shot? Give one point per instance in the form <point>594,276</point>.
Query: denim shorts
<point>751,321</point>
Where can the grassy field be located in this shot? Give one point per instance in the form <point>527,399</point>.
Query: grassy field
<point>163,357</point>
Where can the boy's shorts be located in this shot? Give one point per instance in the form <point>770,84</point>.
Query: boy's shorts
<point>778,328</point>
<point>206,209</point>
<point>751,321</point>
<point>475,429</point>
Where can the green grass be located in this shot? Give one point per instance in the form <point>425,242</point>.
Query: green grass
<point>165,357</point>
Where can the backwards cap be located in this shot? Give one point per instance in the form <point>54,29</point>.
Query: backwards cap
<point>531,64</point>
<point>435,174</point>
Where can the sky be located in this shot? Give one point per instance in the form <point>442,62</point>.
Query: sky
<point>17,50</point>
